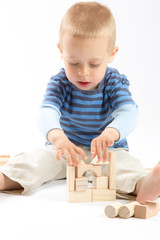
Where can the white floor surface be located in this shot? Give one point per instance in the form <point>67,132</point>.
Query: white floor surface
<point>46,214</point>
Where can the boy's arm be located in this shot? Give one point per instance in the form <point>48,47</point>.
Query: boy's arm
<point>48,119</point>
<point>48,122</point>
<point>125,120</point>
<point>124,113</point>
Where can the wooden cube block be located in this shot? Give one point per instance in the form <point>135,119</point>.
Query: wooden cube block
<point>80,196</point>
<point>148,210</point>
<point>81,184</point>
<point>140,211</point>
<point>103,195</point>
<point>100,182</point>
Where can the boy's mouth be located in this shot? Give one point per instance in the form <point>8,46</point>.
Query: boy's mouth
<point>83,84</point>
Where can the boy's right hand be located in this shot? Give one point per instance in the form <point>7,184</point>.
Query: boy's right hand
<point>65,148</point>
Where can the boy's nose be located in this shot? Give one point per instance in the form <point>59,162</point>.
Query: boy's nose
<point>83,71</point>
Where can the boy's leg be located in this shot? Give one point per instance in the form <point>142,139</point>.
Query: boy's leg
<point>128,171</point>
<point>8,184</point>
<point>148,187</point>
<point>30,170</point>
<point>131,178</point>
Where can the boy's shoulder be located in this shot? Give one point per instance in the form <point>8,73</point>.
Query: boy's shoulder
<point>60,80</point>
<point>114,77</point>
<point>61,75</point>
<point>114,73</point>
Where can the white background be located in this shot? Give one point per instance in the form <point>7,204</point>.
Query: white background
<point>29,57</point>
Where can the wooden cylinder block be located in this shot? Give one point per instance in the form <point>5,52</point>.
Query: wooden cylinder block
<point>127,211</point>
<point>112,211</point>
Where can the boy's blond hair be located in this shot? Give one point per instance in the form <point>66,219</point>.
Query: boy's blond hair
<point>89,20</point>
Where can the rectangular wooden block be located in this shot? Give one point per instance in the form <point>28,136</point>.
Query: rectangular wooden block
<point>148,210</point>
<point>71,178</point>
<point>112,170</point>
<point>153,207</point>
<point>100,182</point>
<point>81,184</point>
<point>140,211</point>
<point>80,196</point>
<point>104,195</point>
<point>4,159</point>
<point>4,156</point>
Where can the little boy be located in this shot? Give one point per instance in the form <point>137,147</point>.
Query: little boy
<point>87,109</point>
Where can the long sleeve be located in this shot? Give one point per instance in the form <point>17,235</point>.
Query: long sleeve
<point>48,119</point>
<point>124,119</point>
<point>49,112</point>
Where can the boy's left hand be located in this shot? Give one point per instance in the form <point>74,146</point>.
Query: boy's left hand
<point>100,144</point>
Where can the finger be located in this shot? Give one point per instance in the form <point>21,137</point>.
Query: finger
<point>58,155</point>
<point>68,157</point>
<point>110,144</point>
<point>74,157</point>
<point>99,151</point>
<point>105,151</point>
<point>93,149</point>
<point>81,153</point>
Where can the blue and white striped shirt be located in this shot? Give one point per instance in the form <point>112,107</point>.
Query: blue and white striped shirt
<point>83,115</point>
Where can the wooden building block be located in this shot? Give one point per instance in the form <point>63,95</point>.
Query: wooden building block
<point>141,212</point>
<point>112,211</point>
<point>81,188</point>
<point>80,196</point>
<point>153,208</point>
<point>128,210</point>
<point>81,184</point>
<point>71,178</point>
<point>81,181</point>
<point>112,170</point>
<point>100,182</point>
<point>96,162</point>
<point>85,167</point>
<point>148,210</point>
<point>4,159</point>
<point>103,195</point>
<point>4,156</point>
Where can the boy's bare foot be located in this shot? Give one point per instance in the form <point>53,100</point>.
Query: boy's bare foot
<point>148,187</point>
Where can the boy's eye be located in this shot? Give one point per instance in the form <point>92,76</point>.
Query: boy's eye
<point>77,63</point>
<point>73,64</point>
<point>94,65</point>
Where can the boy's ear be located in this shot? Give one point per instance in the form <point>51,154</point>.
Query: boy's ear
<point>60,49</point>
<point>113,53</point>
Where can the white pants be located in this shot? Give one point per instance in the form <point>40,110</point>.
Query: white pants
<point>33,169</point>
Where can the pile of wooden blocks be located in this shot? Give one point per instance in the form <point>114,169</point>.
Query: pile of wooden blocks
<point>133,209</point>
<point>104,187</point>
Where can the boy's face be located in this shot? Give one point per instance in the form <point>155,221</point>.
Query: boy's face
<point>85,60</point>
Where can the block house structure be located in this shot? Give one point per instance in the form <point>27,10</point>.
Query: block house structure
<point>104,186</point>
